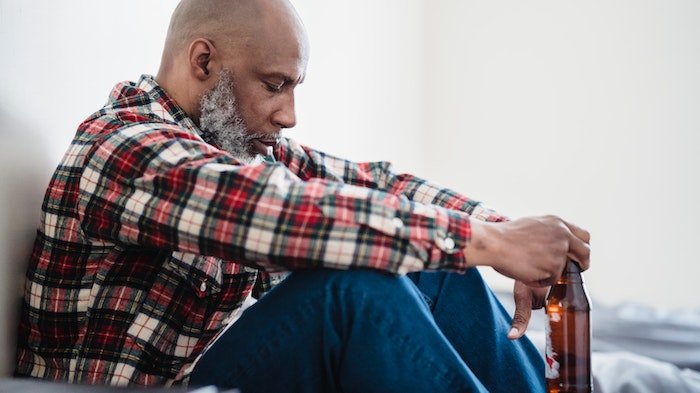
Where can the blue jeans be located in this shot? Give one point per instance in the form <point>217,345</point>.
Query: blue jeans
<point>366,331</point>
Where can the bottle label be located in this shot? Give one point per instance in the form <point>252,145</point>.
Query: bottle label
<point>552,365</point>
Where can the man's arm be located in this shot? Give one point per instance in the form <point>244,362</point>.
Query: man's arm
<point>308,163</point>
<point>513,248</point>
<point>531,250</point>
<point>160,187</point>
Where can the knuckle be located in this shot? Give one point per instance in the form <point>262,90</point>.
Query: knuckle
<point>559,232</point>
<point>563,230</point>
<point>586,263</point>
<point>558,252</point>
<point>519,319</point>
<point>551,217</point>
<point>563,246</point>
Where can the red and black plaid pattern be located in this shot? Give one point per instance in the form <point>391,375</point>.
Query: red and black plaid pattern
<point>151,239</point>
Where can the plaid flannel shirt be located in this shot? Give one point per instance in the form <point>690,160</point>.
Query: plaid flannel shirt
<point>151,239</point>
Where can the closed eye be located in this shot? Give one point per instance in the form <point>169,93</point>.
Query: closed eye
<point>273,88</point>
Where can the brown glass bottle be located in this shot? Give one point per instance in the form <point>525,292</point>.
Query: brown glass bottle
<point>568,329</point>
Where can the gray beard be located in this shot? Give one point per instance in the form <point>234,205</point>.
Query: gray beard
<point>221,122</point>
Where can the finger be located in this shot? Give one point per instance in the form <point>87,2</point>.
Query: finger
<point>539,297</point>
<point>580,252</point>
<point>542,283</point>
<point>523,311</point>
<point>578,232</point>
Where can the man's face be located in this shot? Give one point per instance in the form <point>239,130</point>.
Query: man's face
<point>223,124</point>
<point>253,99</point>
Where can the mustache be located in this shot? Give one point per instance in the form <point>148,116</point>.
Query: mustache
<point>263,135</point>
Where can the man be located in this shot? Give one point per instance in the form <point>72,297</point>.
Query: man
<point>162,220</point>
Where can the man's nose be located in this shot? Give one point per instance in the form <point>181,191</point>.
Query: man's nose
<point>285,116</point>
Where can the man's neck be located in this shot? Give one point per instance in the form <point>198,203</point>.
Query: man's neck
<point>177,91</point>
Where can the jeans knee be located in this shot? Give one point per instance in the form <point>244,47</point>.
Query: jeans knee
<point>360,284</point>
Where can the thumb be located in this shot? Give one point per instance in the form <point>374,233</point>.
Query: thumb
<point>523,311</point>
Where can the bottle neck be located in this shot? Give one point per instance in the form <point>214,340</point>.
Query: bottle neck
<point>571,274</point>
<point>570,279</point>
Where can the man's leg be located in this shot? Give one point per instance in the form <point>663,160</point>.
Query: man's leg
<point>325,331</point>
<point>475,322</point>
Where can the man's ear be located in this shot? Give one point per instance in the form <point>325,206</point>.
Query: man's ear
<point>203,59</point>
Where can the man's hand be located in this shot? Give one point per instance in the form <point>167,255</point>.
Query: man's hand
<point>526,299</point>
<point>533,250</point>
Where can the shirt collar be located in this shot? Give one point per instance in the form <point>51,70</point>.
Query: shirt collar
<point>164,106</point>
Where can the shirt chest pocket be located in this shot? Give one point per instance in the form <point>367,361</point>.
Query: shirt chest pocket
<point>172,317</point>
<point>203,274</point>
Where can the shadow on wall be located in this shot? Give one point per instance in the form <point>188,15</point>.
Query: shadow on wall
<point>24,174</point>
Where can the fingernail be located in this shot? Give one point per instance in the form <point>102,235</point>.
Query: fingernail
<point>513,333</point>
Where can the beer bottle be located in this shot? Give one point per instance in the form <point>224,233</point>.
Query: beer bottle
<point>568,329</point>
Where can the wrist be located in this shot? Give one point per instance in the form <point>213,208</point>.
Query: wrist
<point>482,245</point>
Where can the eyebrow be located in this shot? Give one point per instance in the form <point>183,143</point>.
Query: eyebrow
<point>286,78</point>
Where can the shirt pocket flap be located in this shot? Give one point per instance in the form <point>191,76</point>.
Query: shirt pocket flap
<point>202,273</point>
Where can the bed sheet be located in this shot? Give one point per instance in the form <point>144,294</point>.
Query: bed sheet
<point>636,348</point>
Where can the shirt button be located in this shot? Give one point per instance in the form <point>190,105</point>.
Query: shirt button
<point>203,286</point>
<point>398,224</point>
<point>449,243</point>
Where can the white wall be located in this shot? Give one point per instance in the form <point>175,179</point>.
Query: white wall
<point>586,109</point>
<point>363,83</point>
<point>363,95</point>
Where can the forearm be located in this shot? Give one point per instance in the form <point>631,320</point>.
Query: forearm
<point>425,192</point>
<point>308,163</point>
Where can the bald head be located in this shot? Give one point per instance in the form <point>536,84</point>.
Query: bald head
<point>242,56</point>
<point>232,25</point>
